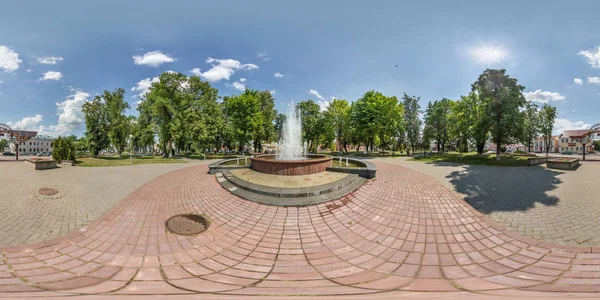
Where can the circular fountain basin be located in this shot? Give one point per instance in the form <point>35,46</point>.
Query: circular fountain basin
<point>269,164</point>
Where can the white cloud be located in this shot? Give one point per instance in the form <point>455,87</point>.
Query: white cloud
<point>224,68</point>
<point>143,86</point>
<point>272,92</point>
<point>27,123</point>
<point>49,60</point>
<point>70,116</point>
<point>28,70</point>
<point>1,81</point>
<point>561,125</point>
<point>196,71</point>
<point>323,104</point>
<point>594,80</point>
<point>243,79</point>
<point>263,56</point>
<point>52,75</point>
<point>277,75</point>
<point>578,81</point>
<point>316,94</point>
<point>237,85</point>
<point>592,56</point>
<point>543,96</point>
<point>9,59</point>
<point>153,59</point>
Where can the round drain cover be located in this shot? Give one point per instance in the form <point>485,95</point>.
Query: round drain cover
<point>48,191</point>
<point>187,224</point>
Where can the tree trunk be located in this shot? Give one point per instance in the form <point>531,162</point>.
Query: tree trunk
<point>497,151</point>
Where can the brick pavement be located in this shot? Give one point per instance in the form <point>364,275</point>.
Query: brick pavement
<point>400,233</point>
<point>84,194</point>
<point>551,205</point>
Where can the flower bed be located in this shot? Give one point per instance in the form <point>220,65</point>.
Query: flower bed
<point>40,163</point>
<point>536,161</point>
<point>563,163</point>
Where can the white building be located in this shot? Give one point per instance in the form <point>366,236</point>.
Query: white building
<point>40,143</point>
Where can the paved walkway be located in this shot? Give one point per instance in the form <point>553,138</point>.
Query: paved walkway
<point>557,206</point>
<point>84,194</point>
<point>403,232</point>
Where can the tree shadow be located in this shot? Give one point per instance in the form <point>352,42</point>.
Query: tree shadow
<point>489,188</point>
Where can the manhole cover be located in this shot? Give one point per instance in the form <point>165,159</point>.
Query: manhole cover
<point>48,191</point>
<point>187,224</point>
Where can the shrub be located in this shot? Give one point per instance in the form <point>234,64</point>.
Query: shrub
<point>63,149</point>
<point>519,151</point>
<point>502,149</point>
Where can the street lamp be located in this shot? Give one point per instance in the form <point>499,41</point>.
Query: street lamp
<point>130,148</point>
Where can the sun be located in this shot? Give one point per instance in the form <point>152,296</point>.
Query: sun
<point>488,55</point>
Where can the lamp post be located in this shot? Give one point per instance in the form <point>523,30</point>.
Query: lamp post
<point>130,148</point>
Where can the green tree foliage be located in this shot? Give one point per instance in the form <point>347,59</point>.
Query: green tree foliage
<point>64,148</point>
<point>246,119</point>
<point>165,103</point>
<point>96,123</point>
<point>411,120</point>
<point>338,116</point>
<point>203,114</point>
<point>266,131</point>
<point>376,115</point>
<point>313,123</point>
<point>438,117</point>
<point>3,144</point>
<point>530,124</point>
<point>279,120</point>
<point>118,124</point>
<point>504,99</point>
<point>547,116</point>
<point>472,122</point>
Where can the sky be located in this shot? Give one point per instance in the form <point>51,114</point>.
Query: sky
<point>56,55</point>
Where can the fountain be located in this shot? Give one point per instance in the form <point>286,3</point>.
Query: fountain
<point>290,145</point>
<point>291,156</point>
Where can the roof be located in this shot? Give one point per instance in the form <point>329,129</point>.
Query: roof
<point>577,133</point>
<point>24,133</point>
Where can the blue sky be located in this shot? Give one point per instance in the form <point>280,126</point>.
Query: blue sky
<point>54,56</point>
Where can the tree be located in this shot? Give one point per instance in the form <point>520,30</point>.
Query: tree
<point>531,124</point>
<point>312,123</point>
<point>165,103</point>
<point>3,144</point>
<point>243,111</point>
<point>438,121</point>
<point>96,123</point>
<point>279,120</point>
<point>504,99</point>
<point>118,125</point>
<point>411,120</point>
<point>338,115</point>
<point>266,131</point>
<point>546,121</point>
<point>202,114</point>
<point>63,148</point>
<point>377,116</point>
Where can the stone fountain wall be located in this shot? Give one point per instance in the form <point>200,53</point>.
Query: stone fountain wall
<point>290,167</point>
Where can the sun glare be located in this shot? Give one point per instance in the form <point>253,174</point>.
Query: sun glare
<point>489,55</point>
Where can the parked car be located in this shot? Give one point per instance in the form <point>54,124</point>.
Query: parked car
<point>8,153</point>
<point>567,152</point>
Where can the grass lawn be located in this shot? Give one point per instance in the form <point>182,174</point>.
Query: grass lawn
<point>111,161</point>
<point>472,158</point>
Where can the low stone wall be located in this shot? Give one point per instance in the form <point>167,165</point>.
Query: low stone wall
<point>266,164</point>
<point>536,161</point>
<point>218,166</point>
<point>41,164</point>
<point>563,165</point>
<point>368,171</point>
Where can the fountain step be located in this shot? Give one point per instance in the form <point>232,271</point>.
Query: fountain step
<point>289,196</point>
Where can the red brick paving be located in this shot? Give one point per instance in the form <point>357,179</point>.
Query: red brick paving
<point>400,232</point>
